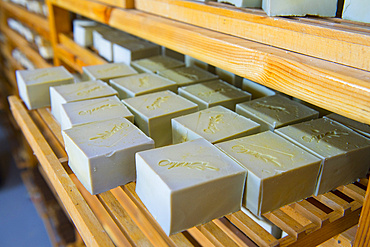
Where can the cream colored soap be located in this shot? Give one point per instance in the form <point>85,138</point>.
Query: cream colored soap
<point>153,113</point>
<point>276,111</point>
<point>216,124</point>
<point>246,3</point>
<point>87,111</point>
<point>212,93</point>
<point>105,72</point>
<point>279,172</point>
<point>356,10</point>
<point>126,52</point>
<point>188,184</point>
<point>102,154</point>
<point>135,85</point>
<point>257,90</point>
<point>327,8</point>
<point>77,92</point>
<point>107,42</point>
<point>363,129</point>
<point>83,32</point>
<point>156,63</point>
<point>229,77</point>
<point>33,85</point>
<point>173,54</point>
<point>187,75</point>
<point>190,61</point>
<point>345,153</point>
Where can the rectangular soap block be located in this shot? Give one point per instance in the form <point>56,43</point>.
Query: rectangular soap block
<point>327,8</point>
<point>187,75</point>
<point>212,93</point>
<point>83,32</point>
<point>126,52</point>
<point>33,85</point>
<point>77,92</point>
<point>102,154</point>
<point>363,129</point>
<point>216,124</point>
<point>229,77</point>
<point>107,42</point>
<point>345,153</point>
<point>87,111</point>
<point>246,3</point>
<point>156,63</point>
<point>279,172</point>
<point>173,54</point>
<point>135,85</point>
<point>153,113</point>
<point>190,61</point>
<point>257,90</point>
<point>275,111</point>
<point>356,10</point>
<point>108,71</point>
<point>188,184</point>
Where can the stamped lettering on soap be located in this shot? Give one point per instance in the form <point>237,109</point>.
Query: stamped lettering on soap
<point>144,81</point>
<point>109,133</point>
<point>93,110</point>
<point>210,93</point>
<point>265,157</point>
<point>272,107</point>
<point>199,165</point>
<point>46,74</point>
<point>320,137</point>
<point>113,68</point>
<point>212,126</point>
<point>191,76</point>
<point>157,103</point>
<point>87,92</point>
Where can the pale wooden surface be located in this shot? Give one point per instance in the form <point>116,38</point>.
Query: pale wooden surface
<point>127,4</point>
<point>331,86</point>
<point>363,231</point>
<point>331,40</point>
<point>36,22</point>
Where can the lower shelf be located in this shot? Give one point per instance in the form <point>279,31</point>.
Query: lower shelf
<point>118,217</point>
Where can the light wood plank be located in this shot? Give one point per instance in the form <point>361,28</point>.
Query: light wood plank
<point>67,57</point>
<point>82,216</point>
<point>126,4</point>
<point>22,44</point>
<point>312,213</point>
<point>334,202</point>
<point>363,231</point>
<point>52,123</point>
<point>36,22</point>
<point>216,235</point>
<point>332,42</point>
<point>354,192</point>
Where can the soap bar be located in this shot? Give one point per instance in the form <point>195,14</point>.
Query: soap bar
<point>356,10</point>
<point>327,8</point>
<point>33,85</point>
<point>187,75</point>
<point>246,3</point>
<point>173,54</point>
<point>257,90</point>
<point>363,129</point>
<point>279,172</point>
<point>153,113</point>
<point>108,40</point>
<point>108,71</point>
<point>188,184</point>
<point>83,32</point>
<point>216,124</point>
<point>212,93</point>
<point>87,111</point>
<point>102,154</point>
<point>229,77</point>
<point>190,61</point>
<point>135,85</point>
<point>345,153</point>
<point>275,111</point>
<point>77,92</point>
<point>156,63</point>
<point>126,52</point>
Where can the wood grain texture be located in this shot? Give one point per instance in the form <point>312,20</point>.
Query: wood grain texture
<point>82,216</point>
<point>363,231</point>
<point>349,45</point>
<point>126,4</point>
<point>36,22</point>
<point>22,44</point>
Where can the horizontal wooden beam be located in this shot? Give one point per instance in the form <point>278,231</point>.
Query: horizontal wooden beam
<point>126,4</point>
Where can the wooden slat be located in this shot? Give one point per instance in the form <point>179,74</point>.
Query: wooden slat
<point>354,192</point>
<point>347,238</point>
<point>36,22</point>
<point>127,4</point>
<point>327,40</point>
<point>65,55</point>
<point>198,235</point>
<point>52,123</point>
<point>82,53</point>
<point>216,235</point>
<point>252,229</point>
<point>334,202</point>
<point>312,213</point>
<point>82,216</point>
<point>363,231</point>
<point>24,47</point>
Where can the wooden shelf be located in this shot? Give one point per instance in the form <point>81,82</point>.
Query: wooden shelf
<point>332,39</point>
<point>118,217</point>
<point>36,22</point>
<point>23,45</point>
<point>332,86</point>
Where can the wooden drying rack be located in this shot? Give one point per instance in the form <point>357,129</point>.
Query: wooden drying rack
<point>118,217</point>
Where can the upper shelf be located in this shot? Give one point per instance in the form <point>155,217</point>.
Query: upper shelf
<point>332,86</point>
<point>332,39</point>
<point>38,23</point>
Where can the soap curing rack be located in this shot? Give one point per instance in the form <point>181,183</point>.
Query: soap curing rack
<point>219,35</point>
